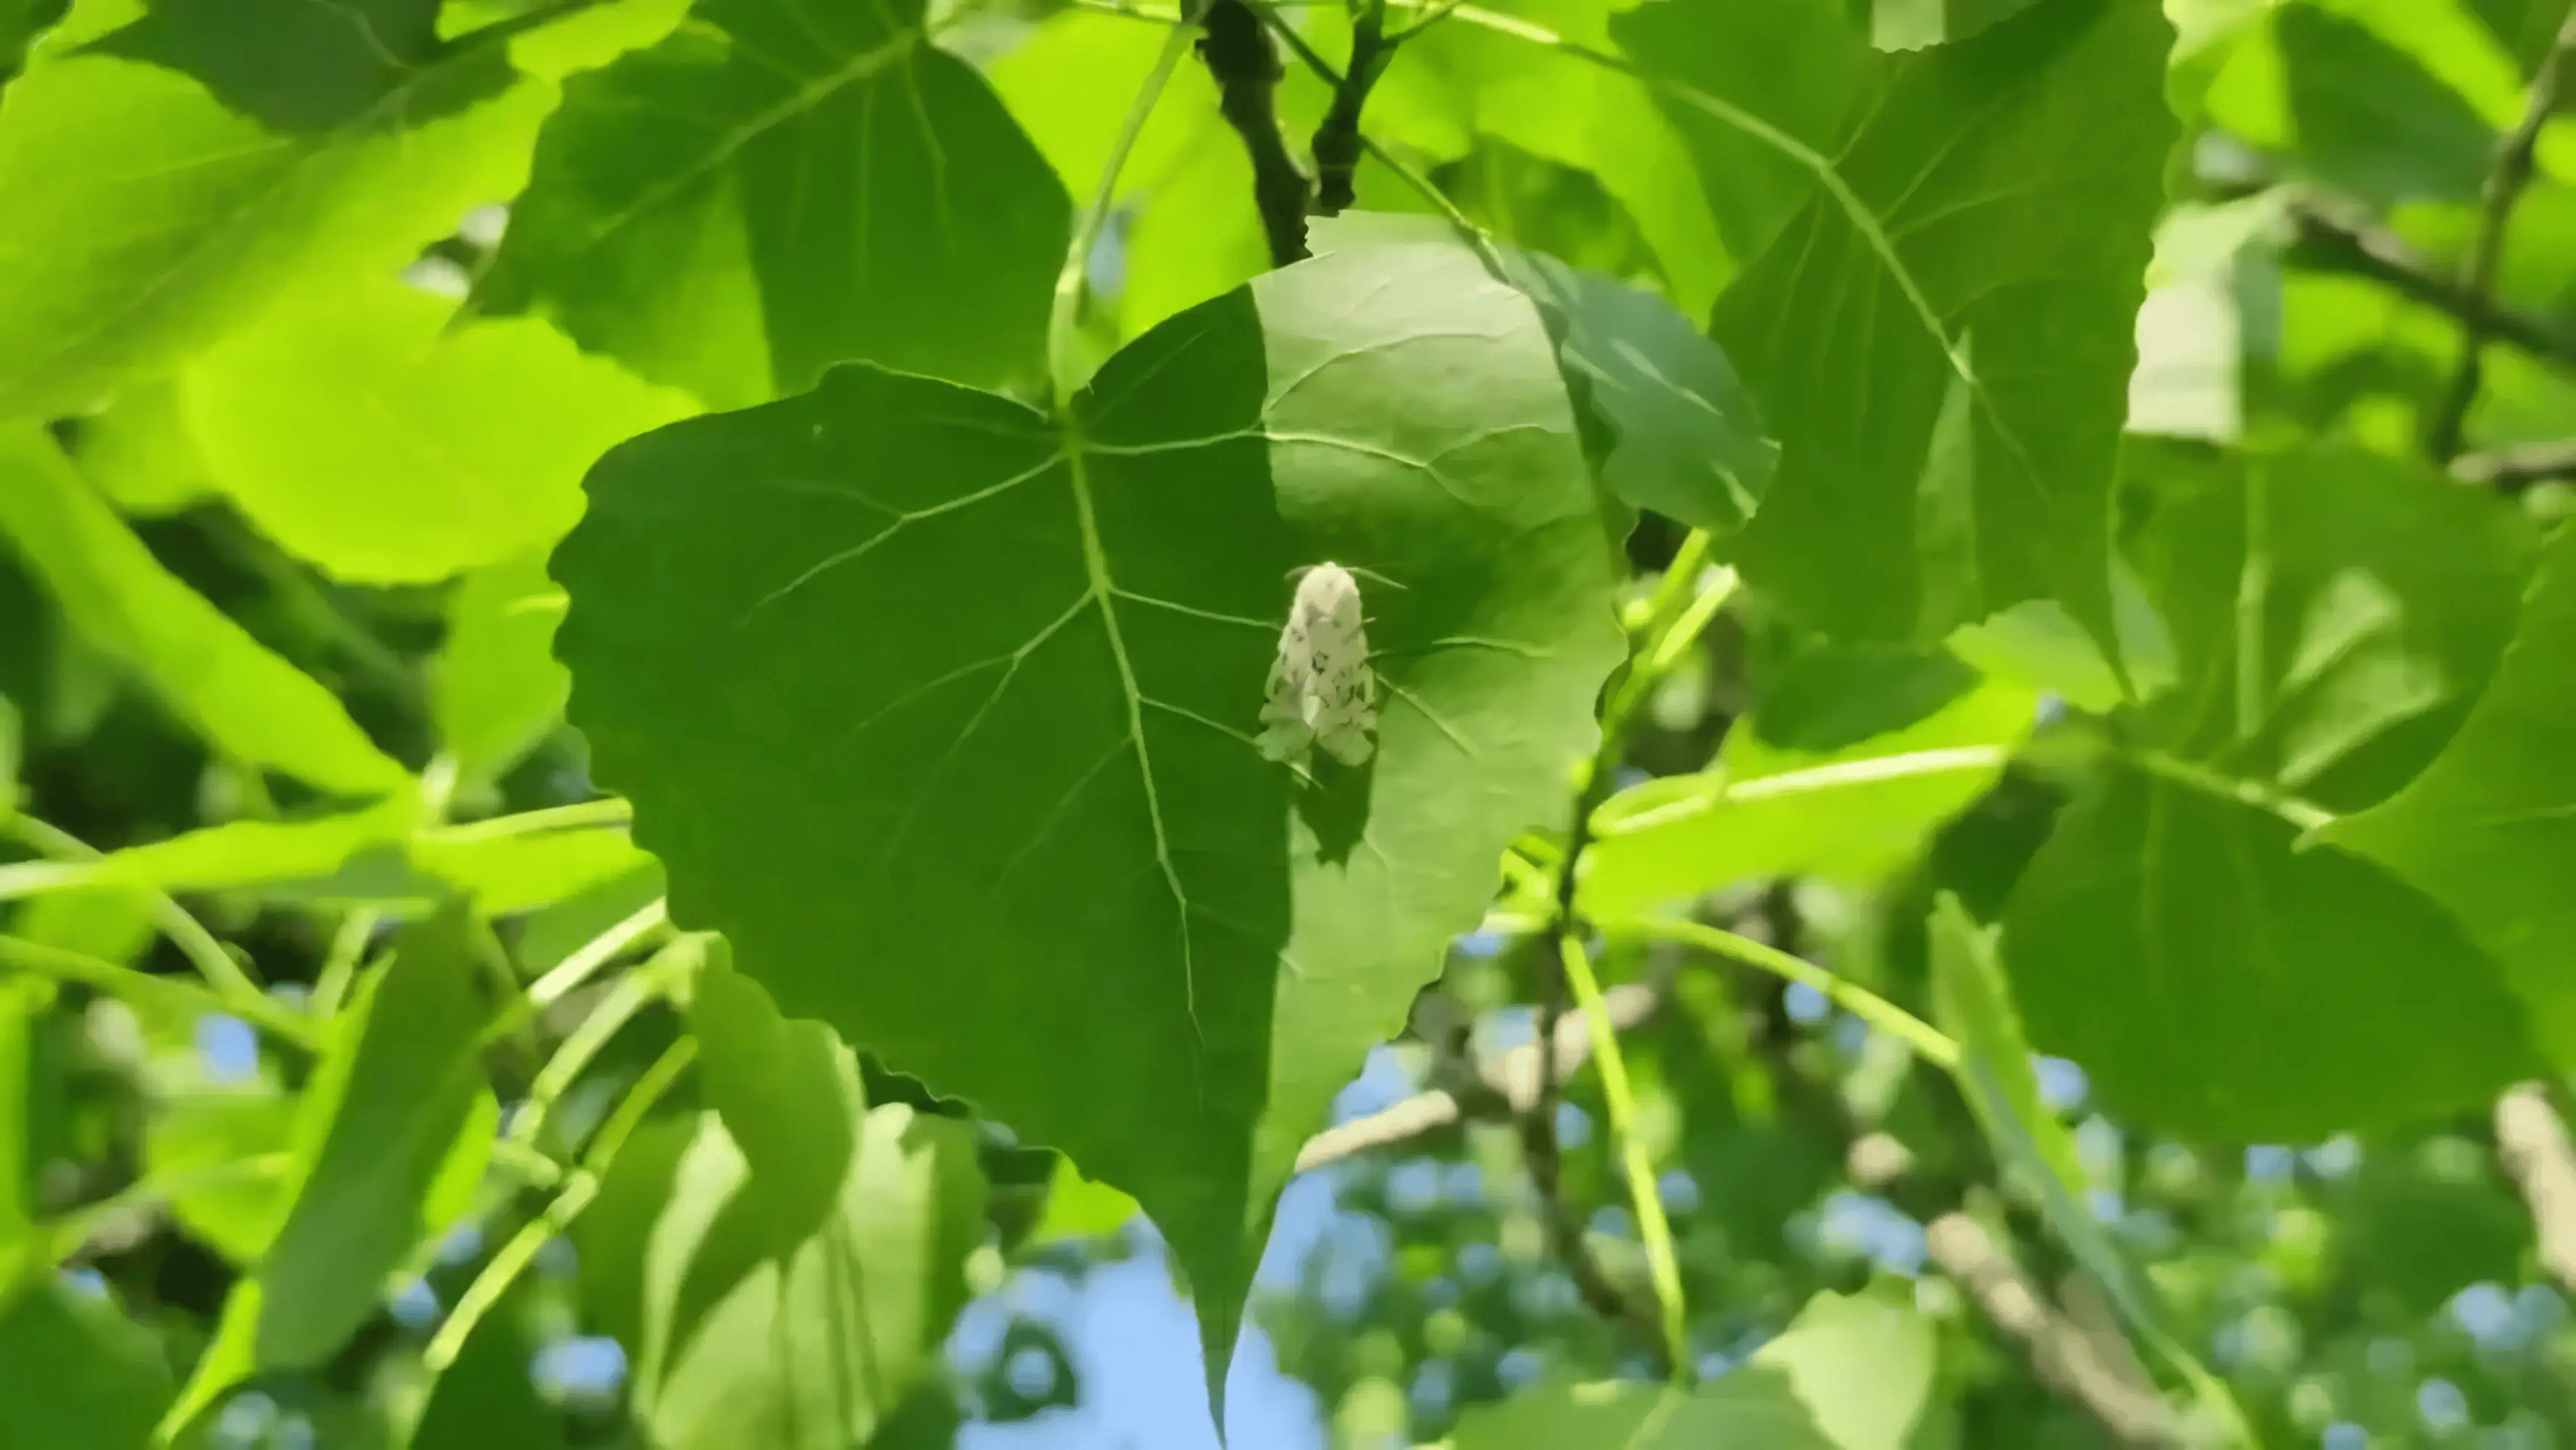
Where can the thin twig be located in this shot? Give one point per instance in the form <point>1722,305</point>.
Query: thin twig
<point>580,1188</point>
<point>2507,175</point>
<point>1247,72</point>
<point>2511,470</point>
<point>585,962</point>
<point>2327,240</point>
<point>232,983</point>
<point>581,815</point>
<point>1645,1199</point>
<point>1064,313</point>
<point>171,992</point>
<point>1336,143</point>
<point>1928,1042</point>
<point>1669,613</point>
<point>2065,1356</point>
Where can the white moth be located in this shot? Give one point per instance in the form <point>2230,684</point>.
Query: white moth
<point>1322,691</point>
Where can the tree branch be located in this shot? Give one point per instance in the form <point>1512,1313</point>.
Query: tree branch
<point>1246,68</point>
<point>2511,470</point>
<point>2506,178</point>
<point>2532,1141</point>
<point>2330,242</point>
<point>1337,140</point>
<point>2062,1352</point>
<point>1506,1087</point>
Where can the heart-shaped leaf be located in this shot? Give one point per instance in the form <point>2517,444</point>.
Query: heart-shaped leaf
<point>942,709</point>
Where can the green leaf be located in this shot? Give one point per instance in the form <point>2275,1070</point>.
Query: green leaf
<point>1853,814</point>
<point>2489,828</point>
<point>373,857</point>
<point>1024,846</point>
<point>2214,980</point>
<point>755,1336</point>
<point>1914,24</point>
<point>400,1094</point>
<point>23,1004</point>
<point>223,1146</point>
<point>496,690</point>
<point>764,1076</point>
<point>504,875</point>
<point>1562,109</point>
<point>1077,1208</point>
<point>1943,340</point>
<point>767,193</point>
<point>2035,643</point>
<point>2334,613</point>
<point>2387,100</point>
<point>140,454</point>
<point>362,432</point>
<point>225,685</point>
<point>1848,1374</point>
<point>395,1121</point>
<point>231,1148</point>
<point>1793,69</point>
<point>581,38</point>
<point>76,1373</point>
<point>20,22</point>
<point>233,855</point>
<point>1683,436</point>
<point>212,152</point>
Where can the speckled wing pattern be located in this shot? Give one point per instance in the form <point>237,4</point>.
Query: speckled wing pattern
<point>1321,688</point>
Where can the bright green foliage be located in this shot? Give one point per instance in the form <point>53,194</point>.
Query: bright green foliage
<point>1044,802</point>
<point>212,153</point>
<point>361,430</point>
<point>498,687</point>
<point>769,191</point>
<point>1852,813</point>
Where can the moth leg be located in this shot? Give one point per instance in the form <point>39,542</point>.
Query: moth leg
<point>1285,740</point>
<point>1350,745</point>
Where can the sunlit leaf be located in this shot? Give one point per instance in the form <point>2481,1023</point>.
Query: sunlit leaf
<point>757,1332</point>
<point>1851,814</point>
<point>771,191</point>
<point>209,154</point>
<point>361,431</point>
<point>497,690</point>
<point>2333,612</point>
